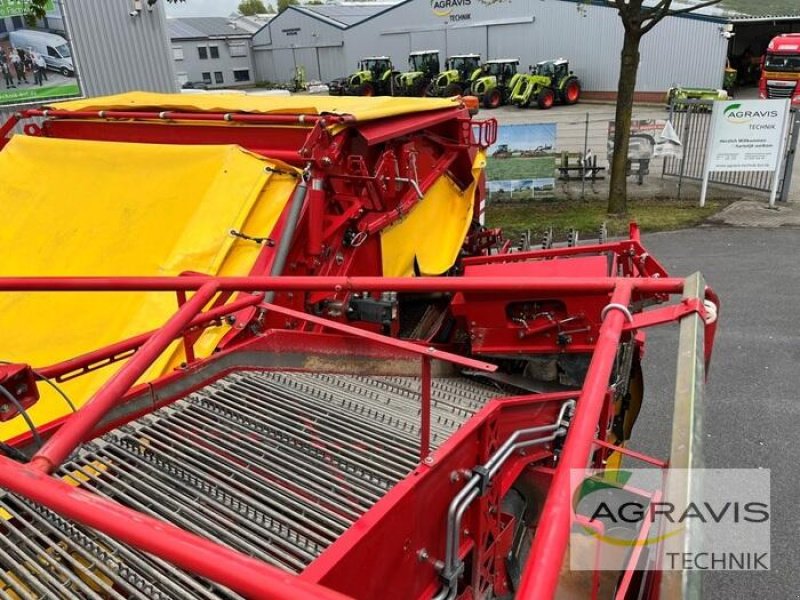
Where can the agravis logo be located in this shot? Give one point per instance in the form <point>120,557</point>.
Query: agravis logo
<point>735,114</point>
<point>719,522</point>
<point>442,8</point>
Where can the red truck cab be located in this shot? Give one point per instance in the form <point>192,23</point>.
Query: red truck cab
<point>780,69</point>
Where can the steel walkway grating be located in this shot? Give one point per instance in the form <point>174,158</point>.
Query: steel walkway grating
<point>274,464</point>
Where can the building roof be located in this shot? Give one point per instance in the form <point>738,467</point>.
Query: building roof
<point>251,23</point>
<point>344,15</point>
<point>192,28</point>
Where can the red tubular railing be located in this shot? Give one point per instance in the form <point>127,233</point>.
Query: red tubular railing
<point>75,429</point>
<point>543,568</point>
<point>239,572</point>
<point>553,285</point>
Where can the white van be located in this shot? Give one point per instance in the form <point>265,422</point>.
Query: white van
<point>52,47</point>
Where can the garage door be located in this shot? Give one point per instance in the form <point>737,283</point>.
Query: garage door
<point>331,63</point>
<point>284,64</point>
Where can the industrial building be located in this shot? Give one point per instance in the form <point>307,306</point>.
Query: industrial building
<point>212,51</point>
<point>690,50</point>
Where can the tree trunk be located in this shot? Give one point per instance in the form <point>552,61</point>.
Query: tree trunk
<point>618,188</point>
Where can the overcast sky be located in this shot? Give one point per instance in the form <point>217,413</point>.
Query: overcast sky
<point>202,8</point>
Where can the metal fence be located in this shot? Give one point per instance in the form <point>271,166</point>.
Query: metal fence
<point>692,122</point>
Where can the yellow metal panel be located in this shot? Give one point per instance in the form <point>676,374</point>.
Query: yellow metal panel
<point>73,208</point>
<point>434,230</point>
<point>363,109</point>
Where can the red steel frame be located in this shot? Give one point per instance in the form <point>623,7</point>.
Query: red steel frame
<point>235,570</point>
<point>240,573</point>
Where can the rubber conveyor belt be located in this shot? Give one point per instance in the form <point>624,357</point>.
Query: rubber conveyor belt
<point>274,464</point>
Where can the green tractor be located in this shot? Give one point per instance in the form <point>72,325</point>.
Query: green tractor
<point>373,78</point>
<point>549,81</point>
<point>460,71</point>
<point>423,67</point>
<point>497,79</point>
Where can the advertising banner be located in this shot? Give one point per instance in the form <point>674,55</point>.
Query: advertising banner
<point>522,164</point>
<point>36,61</point>
<point>747,135</point>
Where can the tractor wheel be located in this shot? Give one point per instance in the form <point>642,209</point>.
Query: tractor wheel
<point>453,89</point>
<point>545,99</point>
<point>493,99</point>
<point>367,89</point>
<point>572,92</point>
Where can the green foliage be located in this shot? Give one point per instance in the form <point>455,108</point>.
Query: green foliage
<point>763,7</point>
<point>252,7</point>
<point>284,4</point>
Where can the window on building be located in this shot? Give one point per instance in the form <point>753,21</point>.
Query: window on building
<point>3,28</point>
<point>177,52</point>
<point>241,75</point>
<point>214,51</point>
<point>202,51</point>
<point>183,78</point>
<point>206,77</point>
<point>17,22</point>
<point>238,50</point>
<point>218,77</point>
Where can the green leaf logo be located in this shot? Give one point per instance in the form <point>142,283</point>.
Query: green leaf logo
<point>733,107</point>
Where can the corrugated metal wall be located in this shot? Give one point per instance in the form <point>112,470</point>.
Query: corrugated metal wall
<point>679,50</point>
<point>115,52</point>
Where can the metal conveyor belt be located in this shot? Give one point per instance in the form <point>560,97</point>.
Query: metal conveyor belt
<point>274,464</point>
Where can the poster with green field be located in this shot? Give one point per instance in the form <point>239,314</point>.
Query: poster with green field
<point>522,164</point>
<point>36,61</point>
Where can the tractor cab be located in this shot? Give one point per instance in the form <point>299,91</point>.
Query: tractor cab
<point>496,81</point>
<point>460,72</point>
<point>466,65</point>
<point>556,70</point>
<point>426,61</point>
<point>373,78</point>
<point>377,65</point>
<point>423,67</point>
<point>503,69</point>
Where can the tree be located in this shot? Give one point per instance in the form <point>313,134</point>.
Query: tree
<point>270,9</point>
<point>284,4</point>
<point>637,19</point>
<point>252,7</point>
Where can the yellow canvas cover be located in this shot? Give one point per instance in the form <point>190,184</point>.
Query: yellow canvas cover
<point>362,109</point>
<point>434,230</point>
<point>76,207</point>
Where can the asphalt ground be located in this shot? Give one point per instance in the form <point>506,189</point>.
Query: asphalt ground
<point>752,414</point>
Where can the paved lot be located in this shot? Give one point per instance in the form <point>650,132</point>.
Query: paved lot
<point>752,414</point>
